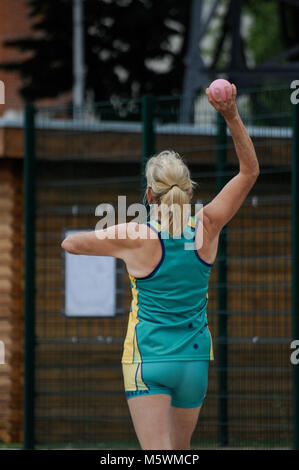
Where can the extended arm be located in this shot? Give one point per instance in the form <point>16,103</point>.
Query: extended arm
<point>115,241</point>
<point>227,202</point>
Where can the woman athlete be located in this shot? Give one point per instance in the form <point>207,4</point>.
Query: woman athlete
<point>168,344</point>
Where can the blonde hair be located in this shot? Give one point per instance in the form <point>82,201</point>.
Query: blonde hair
<point>168,177</point>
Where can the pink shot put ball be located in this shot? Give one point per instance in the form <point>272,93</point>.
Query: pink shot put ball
<point>220,83</point>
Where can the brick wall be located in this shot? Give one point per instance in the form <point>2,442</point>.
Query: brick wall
<point>11,300</point>
<point>15,24</point>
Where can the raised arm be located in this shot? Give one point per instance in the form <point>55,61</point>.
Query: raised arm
<point>227,202</point>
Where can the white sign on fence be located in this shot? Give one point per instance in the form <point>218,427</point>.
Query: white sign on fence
<point>90,285</point>
<point>2,92</point>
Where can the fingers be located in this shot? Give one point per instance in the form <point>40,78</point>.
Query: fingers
<point>227,107</point>
<point>228,91</point>
<point>214,100</point>
<point>218,94</point>
<point>234,90</point>
<point>215,103</point>
<point>231,93</point>
<point>209,96</point>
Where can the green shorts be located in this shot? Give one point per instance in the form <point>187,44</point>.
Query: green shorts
<point>185,381</point>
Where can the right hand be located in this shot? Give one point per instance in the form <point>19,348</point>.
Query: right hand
<point>227,108</point>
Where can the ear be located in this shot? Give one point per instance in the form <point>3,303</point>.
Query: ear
<point>149,195</point>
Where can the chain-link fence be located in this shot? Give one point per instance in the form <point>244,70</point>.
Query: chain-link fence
<point>95,156</point>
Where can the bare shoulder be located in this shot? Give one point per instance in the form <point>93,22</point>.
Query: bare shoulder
<point>139,234</point>
<point>128,233</point>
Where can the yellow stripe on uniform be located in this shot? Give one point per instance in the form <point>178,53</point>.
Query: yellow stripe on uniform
<point>192,222</point>
<point>156,224</point>
<point>133,377</point>
<point>131,349</point>
<point>211,347</point>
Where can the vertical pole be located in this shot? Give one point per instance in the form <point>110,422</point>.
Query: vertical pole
<point>193,62</point>
<point>29,275</point>
<point>148,136</point>
<point>222,292</point>
<point>78,57</point>
<point>295,265</point>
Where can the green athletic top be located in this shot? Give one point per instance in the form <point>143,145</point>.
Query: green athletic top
<point>168,316</point>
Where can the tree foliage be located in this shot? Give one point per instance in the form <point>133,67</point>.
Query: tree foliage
<point>274,28</point>
<point>124,42</point>
<point>133,47</point>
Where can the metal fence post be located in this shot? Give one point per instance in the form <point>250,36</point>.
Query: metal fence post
<point>295,265</point>
<point>29,275</point>
<point>222,292</point>
<point>148,135</point>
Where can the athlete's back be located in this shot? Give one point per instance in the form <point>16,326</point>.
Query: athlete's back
<point>168,320</point>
